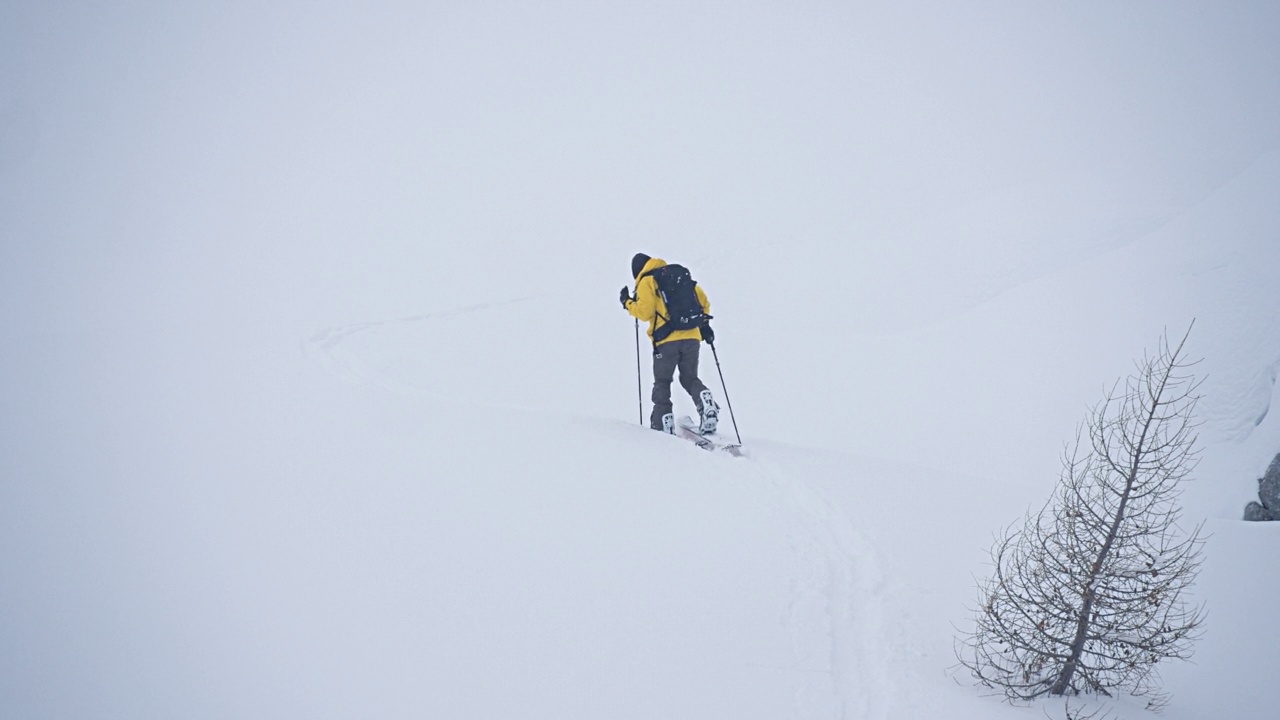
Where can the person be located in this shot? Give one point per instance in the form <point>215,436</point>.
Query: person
<point>672,349</point>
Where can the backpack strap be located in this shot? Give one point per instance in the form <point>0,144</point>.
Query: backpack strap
<point>657,288</point>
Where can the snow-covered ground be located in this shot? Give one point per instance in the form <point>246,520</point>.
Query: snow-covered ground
<point>317,402</point>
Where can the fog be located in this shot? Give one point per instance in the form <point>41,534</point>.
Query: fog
<point>273,167</point>
<point>199,201</point>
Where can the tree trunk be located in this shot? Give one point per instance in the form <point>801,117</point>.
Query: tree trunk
<point>1063,683</point>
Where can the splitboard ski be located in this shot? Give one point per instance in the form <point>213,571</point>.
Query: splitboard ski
<point>688,429</point>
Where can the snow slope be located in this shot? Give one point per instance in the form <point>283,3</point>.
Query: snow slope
<point>316,401</point>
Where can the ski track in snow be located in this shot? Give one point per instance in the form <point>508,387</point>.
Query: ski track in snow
<point>834,613</point>
<point>337,349</point>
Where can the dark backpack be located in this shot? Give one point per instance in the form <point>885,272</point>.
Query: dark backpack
<point>684,312</point>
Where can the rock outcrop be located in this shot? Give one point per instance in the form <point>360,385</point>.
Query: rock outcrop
<point>1267,506</point>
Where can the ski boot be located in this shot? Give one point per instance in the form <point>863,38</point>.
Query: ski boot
<point>709,413</point>
<point>668,424</point>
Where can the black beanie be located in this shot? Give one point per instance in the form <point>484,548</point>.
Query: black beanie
<point>637,264</point>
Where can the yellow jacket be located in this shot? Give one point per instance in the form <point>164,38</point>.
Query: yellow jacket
<point>648,305</point>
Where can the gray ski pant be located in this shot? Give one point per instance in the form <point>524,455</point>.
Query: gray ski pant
<point>667,358</point>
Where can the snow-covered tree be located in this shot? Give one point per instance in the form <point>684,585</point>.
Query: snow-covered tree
<point>1088,595</point>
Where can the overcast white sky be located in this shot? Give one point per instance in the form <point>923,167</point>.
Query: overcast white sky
<point>286,164</point>
<point>201,202</point>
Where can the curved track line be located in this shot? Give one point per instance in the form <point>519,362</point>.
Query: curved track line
<point>837,579</point>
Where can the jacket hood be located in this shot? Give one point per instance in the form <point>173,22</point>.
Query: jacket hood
<point>653,264</point>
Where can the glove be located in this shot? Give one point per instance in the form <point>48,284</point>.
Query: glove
<point>708,335</point>
<point>624,296</point>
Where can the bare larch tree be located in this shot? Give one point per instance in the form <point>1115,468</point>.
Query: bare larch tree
<point>1088,596</point>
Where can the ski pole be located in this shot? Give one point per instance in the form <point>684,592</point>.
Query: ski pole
<point>727,402</point>
<point>639,391</point>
